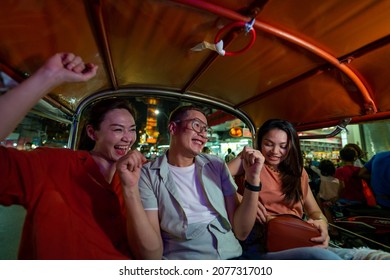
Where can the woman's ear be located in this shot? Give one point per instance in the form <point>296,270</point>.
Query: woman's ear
<point>91,132</point>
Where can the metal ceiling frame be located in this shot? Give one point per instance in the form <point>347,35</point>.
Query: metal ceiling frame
<point>94,9</point>
<point>369,104</point>
<point>163,94</point>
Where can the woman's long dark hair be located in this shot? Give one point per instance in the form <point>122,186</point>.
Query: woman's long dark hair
<point>96,115</point>
<point>290,168</point>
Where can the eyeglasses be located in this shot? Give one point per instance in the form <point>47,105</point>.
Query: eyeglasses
<point>198,126</point>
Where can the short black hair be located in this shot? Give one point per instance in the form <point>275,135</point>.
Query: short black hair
<point>180,112</point>
<point>327,167</point>
<point>348,154</point>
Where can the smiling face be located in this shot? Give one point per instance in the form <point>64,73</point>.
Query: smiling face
<point>185,140</point>
<point>274,147</point>
<point>115,136</point>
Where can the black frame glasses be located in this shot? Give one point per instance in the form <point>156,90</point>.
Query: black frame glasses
<point>198,126</point>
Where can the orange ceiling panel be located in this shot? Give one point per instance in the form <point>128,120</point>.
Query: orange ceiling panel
<point>311,63</point>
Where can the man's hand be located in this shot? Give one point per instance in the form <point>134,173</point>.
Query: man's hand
<point>253,161</point>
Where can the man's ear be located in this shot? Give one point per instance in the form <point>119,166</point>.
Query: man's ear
<point>172,127</point>
<point>91,132</point>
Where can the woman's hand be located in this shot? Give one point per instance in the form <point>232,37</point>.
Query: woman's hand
<point>129,168</point>
<point>67,67</point>
<point>262,215</point>
<point>322,226</point>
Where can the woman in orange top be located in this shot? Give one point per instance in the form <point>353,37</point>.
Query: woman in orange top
<point>285,190</point>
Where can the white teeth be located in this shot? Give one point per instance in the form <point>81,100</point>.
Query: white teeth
<point>121,147</point>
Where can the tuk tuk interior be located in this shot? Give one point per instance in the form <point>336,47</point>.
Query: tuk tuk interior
<point>322,65</point>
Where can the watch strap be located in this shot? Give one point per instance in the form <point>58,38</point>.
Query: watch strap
<point>252,187</point>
